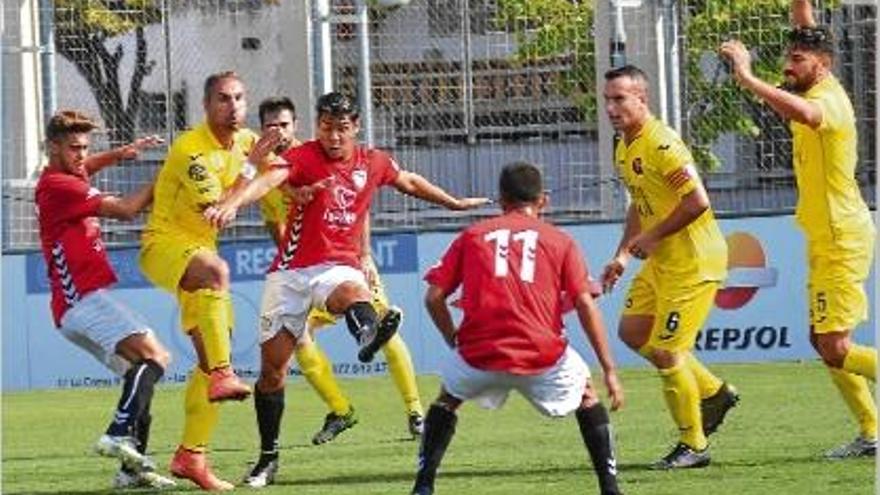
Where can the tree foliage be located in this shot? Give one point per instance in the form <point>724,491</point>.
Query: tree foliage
<point>83,29</point>
<point>712,104</point>
<point>556,29</point>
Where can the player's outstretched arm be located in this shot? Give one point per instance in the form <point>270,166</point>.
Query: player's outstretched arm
<point>594,327</point>
<point>435,302</point>
<point>802,14</point>
<point>94,163</point>
<point>788,105</point>
<point>224,212</point>
<point>416,185</point>
<point>126,207</point>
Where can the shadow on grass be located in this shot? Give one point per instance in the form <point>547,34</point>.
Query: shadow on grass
<point>409,476</point>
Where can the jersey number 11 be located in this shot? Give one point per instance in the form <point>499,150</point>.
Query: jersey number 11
<point>501,238</point>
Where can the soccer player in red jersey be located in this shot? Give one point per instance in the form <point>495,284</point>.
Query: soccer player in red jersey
<point>80,277</point>
<point>514,271</point>
<point>319,263</point>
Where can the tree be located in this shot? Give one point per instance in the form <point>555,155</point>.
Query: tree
<point>82,31</point>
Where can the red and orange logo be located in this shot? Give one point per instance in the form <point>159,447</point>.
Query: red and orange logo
<point>747,271</point>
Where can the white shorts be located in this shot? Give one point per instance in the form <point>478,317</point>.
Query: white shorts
<point>289,295</point>
<point>555,392</point>
<point>97,323</point>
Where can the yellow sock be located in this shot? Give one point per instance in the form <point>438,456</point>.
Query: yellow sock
<point>857,395</point>
<point>683,399</point>
<point>708,383</point>
<point>200,416</point>
<point>861,360</point>
<point>401,368</point>
<point>214,326</point>
<point>315,366</point>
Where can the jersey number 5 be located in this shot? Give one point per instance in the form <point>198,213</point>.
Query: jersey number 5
<point>501,238</point>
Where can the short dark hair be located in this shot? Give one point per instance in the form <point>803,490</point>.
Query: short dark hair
<point>336,104</point>
<point>215,78</point>
<point>66,122</point>
<point>520,183</point>
<point>817,39</point>
<point>276,104</point>
<point>630,71</point>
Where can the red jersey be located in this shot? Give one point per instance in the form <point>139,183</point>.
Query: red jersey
<point>513,270</point>
<point>70,235</point>
<point>333,222</point>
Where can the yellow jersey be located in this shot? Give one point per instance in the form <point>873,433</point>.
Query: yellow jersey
<point>274,205</point>
<point>830,203</point>
<point>197,171</point>
<point>658,171</point>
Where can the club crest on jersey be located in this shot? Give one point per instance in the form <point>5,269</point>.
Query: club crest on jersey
<point>339,215</point>
<point>637,166</point>
<point>359,177</point>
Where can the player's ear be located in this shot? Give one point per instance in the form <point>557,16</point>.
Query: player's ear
<point>544,200</point>
<point>53,146</point>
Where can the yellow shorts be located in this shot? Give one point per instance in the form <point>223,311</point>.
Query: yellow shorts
<point>679,308</point>
<point>836,282</point>
<point>321,317</point>
<point>163,260</point>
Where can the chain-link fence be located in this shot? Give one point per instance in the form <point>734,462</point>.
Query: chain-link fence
<point>456,94</point>
<point>458,89</point>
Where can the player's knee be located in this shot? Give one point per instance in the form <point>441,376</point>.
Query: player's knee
<point>446,401</point>
<point>161,357</point>
<point>832,350</point>
<point>345,295</point>
<point>635,338</point>
<point>589,398</point>
<point>271,379</point>
<point>217,275</point>
<point>663,359</point>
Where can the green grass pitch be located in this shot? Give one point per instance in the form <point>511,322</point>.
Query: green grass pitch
<point>770,444</point>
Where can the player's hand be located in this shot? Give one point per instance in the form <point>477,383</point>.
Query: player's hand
<point>371,272</point>
<point>615,390</point>
<point>305,194</point>
<point>265,145</point>
<point>470,203</point>
<point>220,215</point>
<point>740,59</point>
<point>643,245</point>
<point>613,271</point>
<point>133,150</point>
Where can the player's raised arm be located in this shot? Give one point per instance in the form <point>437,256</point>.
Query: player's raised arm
<point>416,185</point>
<point>788,105</point>
<point>94,163</point>
<point>802,14</point>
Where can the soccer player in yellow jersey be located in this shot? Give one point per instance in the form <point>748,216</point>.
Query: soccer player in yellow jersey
<point>836,222</point>
<point>179,254</point>
<point>280,113</point>
<point>670,225</point>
